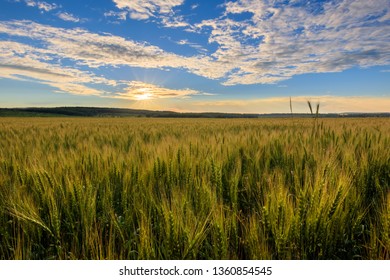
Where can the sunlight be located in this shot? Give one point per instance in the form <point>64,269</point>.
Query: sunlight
<point>143,93</point>
<point>144,96</point>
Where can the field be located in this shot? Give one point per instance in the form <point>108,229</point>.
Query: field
<point>140,188</point>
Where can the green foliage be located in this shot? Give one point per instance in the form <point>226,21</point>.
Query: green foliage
<point>194,189</point>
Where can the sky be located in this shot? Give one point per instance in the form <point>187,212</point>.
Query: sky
<point>243,56</point>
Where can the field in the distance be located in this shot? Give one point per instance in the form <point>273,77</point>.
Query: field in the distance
<point>137,188</point>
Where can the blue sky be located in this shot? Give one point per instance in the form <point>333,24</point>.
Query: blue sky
<point>196,55</point>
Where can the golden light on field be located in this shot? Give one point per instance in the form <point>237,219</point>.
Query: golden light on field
<point>88,185</point>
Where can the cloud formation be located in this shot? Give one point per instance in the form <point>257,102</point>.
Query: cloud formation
<point>144,9</point>
<point>252,42</point>
<point>44,6</point>
<point>118,15</point>
<point>23,62</point>
<point>276,40</point>
<point>26,63</point>
<point>47,7</point>
<point>68,17</point>
<point>96,50</point>
<point>90,49</point>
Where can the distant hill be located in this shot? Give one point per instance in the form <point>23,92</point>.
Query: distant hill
<point>110,112</point>
<point>119,112</point>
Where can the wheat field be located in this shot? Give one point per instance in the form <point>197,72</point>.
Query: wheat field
<point>142,188</point>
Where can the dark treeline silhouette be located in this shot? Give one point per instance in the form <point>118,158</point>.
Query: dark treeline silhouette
<point>120,112</point>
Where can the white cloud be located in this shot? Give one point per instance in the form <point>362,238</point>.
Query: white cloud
<point>118,15</point>
<point>276,42</point>
<point>41,5</point>
<point>194,6</point>
<point>185,42</point>
<point>95,50</point>
<point>92,49</point>
<point>23,62</point>
<point>46,6</point>
<point>268,44</point>
<point>30,3</point>
<point>144,9</point>
<point>173,21</point>
<point>161,9</point>
<point>68,17</point>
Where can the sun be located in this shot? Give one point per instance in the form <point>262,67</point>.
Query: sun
<point>143,93</point>
<point>144,96</point>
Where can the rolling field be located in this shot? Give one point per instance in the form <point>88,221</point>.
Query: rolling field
<point>139,188</point>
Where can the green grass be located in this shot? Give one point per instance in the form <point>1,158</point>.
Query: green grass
<point>194,188</point>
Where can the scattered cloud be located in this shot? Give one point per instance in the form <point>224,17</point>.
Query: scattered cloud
<point>95,50</point>
<point>91,49</point>
<point>144,9</point>
<point>172,21</point>
<point>194,6</point>
<point>255,42</point>
<point>26,63</point>
<point>68,17</point>
<point>117,15</point>
<point>23,62</point>
<point>47,7</point>
<point>185,42</point>
<point>44,6</point>
<point>275,41</point>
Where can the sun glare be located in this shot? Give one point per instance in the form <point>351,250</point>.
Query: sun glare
<point>144,96</point>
